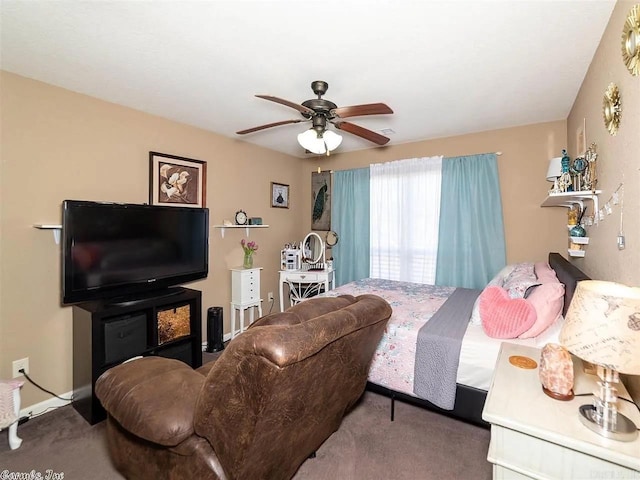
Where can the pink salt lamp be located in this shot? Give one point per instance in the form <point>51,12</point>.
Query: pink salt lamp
<point>556,372</point>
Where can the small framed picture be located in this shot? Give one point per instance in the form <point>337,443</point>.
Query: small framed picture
<point>279,195</point>
<point>177,181</point>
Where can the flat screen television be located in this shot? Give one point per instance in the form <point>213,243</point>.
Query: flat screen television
<point>115,250</point>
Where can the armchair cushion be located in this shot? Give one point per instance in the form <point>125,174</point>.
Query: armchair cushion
<point>129,392</point>
<point>312,309</point>
<point>284,346</point>
<point>304,311</point>
<point>280,318</point>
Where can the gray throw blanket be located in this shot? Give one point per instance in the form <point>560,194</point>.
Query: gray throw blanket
<point>438,349</point>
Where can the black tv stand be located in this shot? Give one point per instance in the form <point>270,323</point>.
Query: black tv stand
<point>105,334</point>
<point>134,298</point>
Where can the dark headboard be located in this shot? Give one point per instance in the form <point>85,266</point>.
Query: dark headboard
<point>568,274</point>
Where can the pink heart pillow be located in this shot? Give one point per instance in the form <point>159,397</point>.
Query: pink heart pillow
<point>504,317</point>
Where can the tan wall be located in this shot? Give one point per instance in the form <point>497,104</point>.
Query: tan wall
<point>618,156</point>
<point>618,161</point>
<point>60,145</point>
<point>531,232</point>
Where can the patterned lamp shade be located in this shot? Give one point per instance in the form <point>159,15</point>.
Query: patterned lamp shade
<point>602,325</point>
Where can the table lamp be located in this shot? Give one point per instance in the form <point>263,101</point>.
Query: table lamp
<point>553,173</point>
<point>602,326</point>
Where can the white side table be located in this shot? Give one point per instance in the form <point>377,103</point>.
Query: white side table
<point>245,294</point>
<point>535,436</point>
<point>10,410</point>
<point>324,277</point>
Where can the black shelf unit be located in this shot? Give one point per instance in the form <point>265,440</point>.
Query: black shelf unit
<point>107,333</point>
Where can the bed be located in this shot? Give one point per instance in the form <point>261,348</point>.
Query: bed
<point>397,369</point>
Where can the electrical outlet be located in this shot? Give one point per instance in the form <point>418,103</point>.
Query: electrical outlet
<point>270,296</point>
<point>23,363</point>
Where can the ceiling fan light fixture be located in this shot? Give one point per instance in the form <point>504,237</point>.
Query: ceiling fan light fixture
<point>332,140</point>
<point>319,142</point>
<point>310,141</point>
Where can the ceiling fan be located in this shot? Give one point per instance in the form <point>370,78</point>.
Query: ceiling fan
<point>318,139</point>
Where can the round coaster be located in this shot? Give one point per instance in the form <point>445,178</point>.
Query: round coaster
<point>522,362</point>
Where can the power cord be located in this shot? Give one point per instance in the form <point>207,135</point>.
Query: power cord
<point>42,388</point>
<point>25,419</point>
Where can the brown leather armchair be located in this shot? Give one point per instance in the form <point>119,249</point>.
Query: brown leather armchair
<point>275,394</point>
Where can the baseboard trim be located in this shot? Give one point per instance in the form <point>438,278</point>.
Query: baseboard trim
<point>53,403</point>
<point>46,406</point>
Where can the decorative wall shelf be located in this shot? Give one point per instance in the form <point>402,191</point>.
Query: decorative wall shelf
<point>569,199</point>
<point>580,240</point>
<point>246,227</point>
<point>57,230</point>
<point>576,249</point>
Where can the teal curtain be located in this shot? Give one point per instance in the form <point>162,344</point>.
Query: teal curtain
<point>350,220</point>
<point>471,245</point>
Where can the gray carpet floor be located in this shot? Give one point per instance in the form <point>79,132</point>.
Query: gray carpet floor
<point>419,444</point>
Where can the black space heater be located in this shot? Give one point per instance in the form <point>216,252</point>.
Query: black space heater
<point>215,341</point>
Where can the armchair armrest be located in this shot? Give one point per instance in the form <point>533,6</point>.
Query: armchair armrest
<point>153,397</point>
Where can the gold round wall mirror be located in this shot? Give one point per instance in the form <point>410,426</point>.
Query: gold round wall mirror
<point>631,41</point>
<point>611,108</point>
<point>331,238</point>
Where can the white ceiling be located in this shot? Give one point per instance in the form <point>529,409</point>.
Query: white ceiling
<point>445,67</point>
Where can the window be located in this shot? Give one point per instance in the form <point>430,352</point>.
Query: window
<point>405,211</point>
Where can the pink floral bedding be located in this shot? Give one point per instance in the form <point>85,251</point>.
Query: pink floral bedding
<point>413,305</point>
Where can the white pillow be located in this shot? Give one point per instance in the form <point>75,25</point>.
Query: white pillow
<point>519,282</point>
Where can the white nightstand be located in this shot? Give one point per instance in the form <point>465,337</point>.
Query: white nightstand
<point>245,293</point>
<point>535,436</point>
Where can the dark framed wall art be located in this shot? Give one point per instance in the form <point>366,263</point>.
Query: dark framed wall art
<point>321,201</point>
<point>177,181</point>
<point>279,195</point>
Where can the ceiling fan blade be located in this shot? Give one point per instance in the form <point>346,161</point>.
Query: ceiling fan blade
<point>358,110</point>
<point>268,125</point>
<point>282,101</point>
<point>362,132</point>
